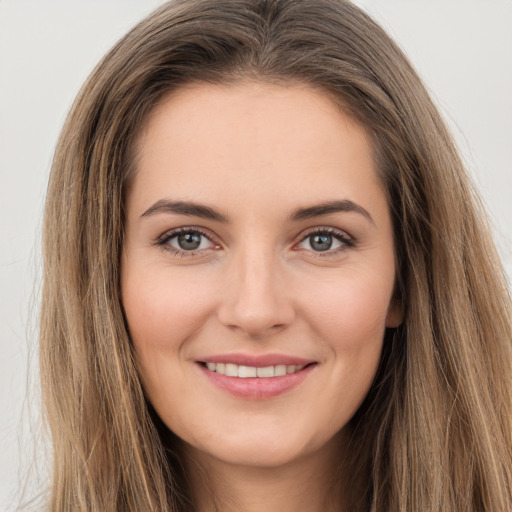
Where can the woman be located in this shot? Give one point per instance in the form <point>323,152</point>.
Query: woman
<point>274,289</point>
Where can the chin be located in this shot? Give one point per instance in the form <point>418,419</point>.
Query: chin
<point>261,448</point>
<point>256,456</point>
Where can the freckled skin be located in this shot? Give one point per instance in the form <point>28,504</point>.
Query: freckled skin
<point>257,152</point>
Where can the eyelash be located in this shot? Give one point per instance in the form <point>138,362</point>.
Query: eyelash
<point>163,241</point>
<point>347,241</point>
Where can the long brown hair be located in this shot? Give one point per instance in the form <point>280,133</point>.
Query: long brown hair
<point>435,431</point>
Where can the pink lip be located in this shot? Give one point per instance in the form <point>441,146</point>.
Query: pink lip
<point>257,361</point>
<point>257,388</point>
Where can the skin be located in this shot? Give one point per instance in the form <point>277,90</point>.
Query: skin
<point>255,153</point>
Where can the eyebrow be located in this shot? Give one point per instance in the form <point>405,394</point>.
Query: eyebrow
<point>184,208</point>
<point>199,210</point>
<point>329,207</point>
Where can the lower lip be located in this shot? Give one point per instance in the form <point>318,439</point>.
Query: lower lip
<point>257,388</point>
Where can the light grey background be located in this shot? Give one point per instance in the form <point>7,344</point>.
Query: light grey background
<point>462,49</point>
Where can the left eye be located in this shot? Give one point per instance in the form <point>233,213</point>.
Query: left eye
<point>322,241</point>
<point>187,241</point>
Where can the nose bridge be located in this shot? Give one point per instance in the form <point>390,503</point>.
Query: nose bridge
<point>255,299</point>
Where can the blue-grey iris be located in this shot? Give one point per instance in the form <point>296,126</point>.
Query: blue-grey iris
<point>189,241</point>
<point>321,242</point>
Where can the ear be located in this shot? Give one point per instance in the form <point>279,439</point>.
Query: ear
<point>395,314</point>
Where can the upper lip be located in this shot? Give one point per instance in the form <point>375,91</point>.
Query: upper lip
<point>258,361</point>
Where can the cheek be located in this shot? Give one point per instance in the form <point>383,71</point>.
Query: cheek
<point>349,318</point>
<point>161,310</point>
<point>351,311</point>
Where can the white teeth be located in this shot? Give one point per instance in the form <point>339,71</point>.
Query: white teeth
<point>247,371</point>
<point>267,371</point>
<point>280,370</point>
<point>231,370</point>
<point>244,372</point>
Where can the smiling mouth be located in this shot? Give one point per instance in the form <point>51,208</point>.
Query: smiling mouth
<point>245,372</point>
<point>261,382</point>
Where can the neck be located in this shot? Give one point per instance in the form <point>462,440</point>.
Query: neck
<point>309,483</point>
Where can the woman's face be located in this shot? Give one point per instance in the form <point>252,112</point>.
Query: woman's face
<point>258,243</point>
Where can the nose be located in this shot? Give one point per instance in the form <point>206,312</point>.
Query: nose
<point>256,300</point>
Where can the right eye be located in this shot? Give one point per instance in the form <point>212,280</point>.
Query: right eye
<point>185,242</point>
<point>326,241</point>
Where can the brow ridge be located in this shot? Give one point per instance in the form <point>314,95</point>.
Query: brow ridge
<point>193,209</point>
<point>327,208</point>
<point>184,208</point>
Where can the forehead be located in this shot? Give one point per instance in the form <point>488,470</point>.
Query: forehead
<point>246,137</point>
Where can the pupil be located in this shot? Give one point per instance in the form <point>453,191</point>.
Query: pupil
<point>189,241</point>
<point>321,242</point>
